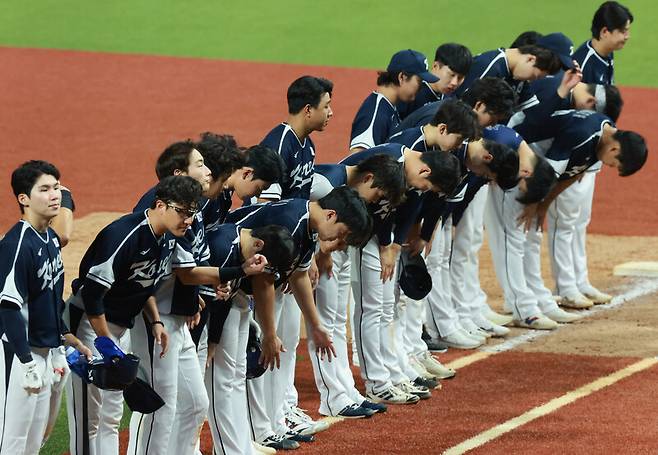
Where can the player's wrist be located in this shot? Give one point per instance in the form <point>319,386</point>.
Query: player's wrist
<point>157,322</point>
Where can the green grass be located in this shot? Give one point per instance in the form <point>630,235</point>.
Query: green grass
<point>58,443</point>
<point>355,33</point>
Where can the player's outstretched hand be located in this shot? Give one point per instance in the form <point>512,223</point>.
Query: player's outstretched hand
<point>223,291</point>
<point>527,217</point>
<point>74,342</point>
<point>32,378</point>
<point>211,353</point>
<point>161,337</point>
<point>254,265</point>
<point>270,348</point>
<point>388,255</point>
<point>323,343</point>
<point>314,274</point>
<point>325,263</point>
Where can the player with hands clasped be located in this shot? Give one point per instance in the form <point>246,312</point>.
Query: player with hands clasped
<point>31,307</point>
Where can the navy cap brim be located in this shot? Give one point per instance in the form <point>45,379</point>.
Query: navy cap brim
<point>567,62</point>
<point>428,77</point>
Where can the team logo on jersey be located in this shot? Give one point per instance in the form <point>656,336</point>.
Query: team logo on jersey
<point>576,170</point>
<point>301,175</point>
<point>143,272</point>
<point>50,272</point>
<point>55,242</point>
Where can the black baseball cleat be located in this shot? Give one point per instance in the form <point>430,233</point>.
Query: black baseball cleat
<point>298,437</point>
<point>280,443</point>
<point>377,407</point>
<point>355,411</point>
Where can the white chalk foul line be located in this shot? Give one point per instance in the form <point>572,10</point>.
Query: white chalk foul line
<point>551,406</point>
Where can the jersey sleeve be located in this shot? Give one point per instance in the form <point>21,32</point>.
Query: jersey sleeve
<point>277,143</point>
<point>15,272</point>
<point>112,253</point>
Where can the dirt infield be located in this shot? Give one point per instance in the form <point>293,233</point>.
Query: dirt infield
<point>103,119</point>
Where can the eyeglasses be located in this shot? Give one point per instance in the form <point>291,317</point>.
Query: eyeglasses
<point>186,213</point>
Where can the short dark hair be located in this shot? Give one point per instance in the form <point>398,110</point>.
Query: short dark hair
<point>540,183</point>
<point>221,154</point>
<point>388,175</point>
<point>613,100</point>
<point>445,170</point>
<point>266,163</point>
<point>611,15</point>
<point>180,189</point>
<point>391,77</point>
<point>458,117</point>
<point>547,60</point>
<point>505,164</point>
<point>633,152</point>
<point>526,38</point>
<point>307,90</point>
<point>26,175</point>
<point>456,56</point>
<point>495,93</point>
<point>351,210</point>
<point>176,156</point>
<point>278,245</point>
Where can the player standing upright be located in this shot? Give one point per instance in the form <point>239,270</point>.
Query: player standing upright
<point>377,117</point>
<point>32,361</point>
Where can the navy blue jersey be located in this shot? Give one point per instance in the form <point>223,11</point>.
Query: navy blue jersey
<point>596,69</point>
<point>421,116</point>
<point>172,296</point>
<point>426,94</point>
<point>326,178</point>
<point>214,211</point>
<point>374,122</point>
<point>32,279</point>
<point>299,157</point>
<point>414,138</point>
<point>128,259</point>
<point>382,210</point>
<point>577,136</point>
<point>489,64</point>
<point>225,251</point>
<point>293,214</point>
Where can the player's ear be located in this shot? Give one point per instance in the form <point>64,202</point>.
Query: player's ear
<point>330,215</point>
<point>531,59</point>
<point>23,199</point>
<point>258,244</point>
<point>179,172</point>
<point>479,106</point>
<point>443,128</point>
<point>247,173</point>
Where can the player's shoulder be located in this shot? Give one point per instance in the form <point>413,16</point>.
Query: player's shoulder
<point>581,52</point>
<point>406,135</point>
<point>125,228</point>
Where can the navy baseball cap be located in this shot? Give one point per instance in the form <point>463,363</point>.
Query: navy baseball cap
<point>561,45</point>
<point>412,62</point>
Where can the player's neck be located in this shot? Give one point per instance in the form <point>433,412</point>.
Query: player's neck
<point>157,226</point>
<point>389,92</point>
<point>513,56</point>
<point>246,244</point>
<point>606,138</point>
<point>431,134</point>
<point>352,176</point>
<point>601,48</point>
<point>315,215</point>
<point>39,223</point>
<point>298,125</point>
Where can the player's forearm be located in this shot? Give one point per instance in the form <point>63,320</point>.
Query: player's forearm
<point>263,293</point>
<point>557,189</point>
<point>99,324</point>
<point>14,326</point>
<point>151,310</point>
<point>303,292</point>
<point>62,224</point>
<point>196,276</point>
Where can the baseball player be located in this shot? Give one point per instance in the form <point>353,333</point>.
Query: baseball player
<point>579,140</point>
<point>562,93</point>
<point>177,377</point>
<point>610,31</point>
<point>230,245</point>
<point>341,215</point>
<point>33,363</point>
<point>309,109</point>
<point>377,117</point>
<point>118,275</point>
<point>373,268</point>
<point>451,64</point>
<point>378,177</point>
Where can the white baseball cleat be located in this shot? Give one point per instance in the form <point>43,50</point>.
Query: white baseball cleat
<point>497,318</point>
<point>576,301</point>
<point>559,315</point>
<point>300,422</point>
<point>460,339</point>
<point>596,296</point>
<point>537,322</point>
<point>261,449</point>
<point>433,366</point>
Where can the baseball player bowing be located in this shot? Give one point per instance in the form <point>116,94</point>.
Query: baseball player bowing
<point>118,275</point>
<point>230,246</point>
<point>31,307</point>
<point>339,216</point>
<point>376,178</point>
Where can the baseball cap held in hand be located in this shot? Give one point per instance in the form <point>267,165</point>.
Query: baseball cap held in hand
<point>412,62</point>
